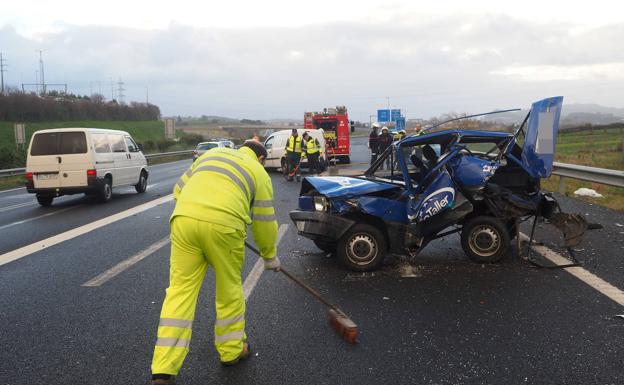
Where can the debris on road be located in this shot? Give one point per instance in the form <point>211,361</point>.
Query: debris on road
<point>587,192</point>
<point>408,271</point>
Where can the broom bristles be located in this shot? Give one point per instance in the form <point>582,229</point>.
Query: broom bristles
<point>344,326</point>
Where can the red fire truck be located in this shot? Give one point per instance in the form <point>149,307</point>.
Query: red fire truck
<point>335,122</point>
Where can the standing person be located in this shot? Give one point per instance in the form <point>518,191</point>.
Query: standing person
<point>384,141</point>
<point>208,228</point>
<point>418,129</point>
<point>293,155</point>
<point>313,152</point>
<point>373,143</point>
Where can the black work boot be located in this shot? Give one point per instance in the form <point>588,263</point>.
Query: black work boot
<point>244,354</point>
<point>163,379</point>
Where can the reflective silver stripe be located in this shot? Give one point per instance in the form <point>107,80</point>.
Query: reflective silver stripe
<point>181,181</point>
<point>263,203</point>
<point>179,323</point>
<point>264,218</point>
<point>225,172</point>
<point>230,321</point>
<point>175,342</point>
<point>245,174</point>
<point>237,335</point>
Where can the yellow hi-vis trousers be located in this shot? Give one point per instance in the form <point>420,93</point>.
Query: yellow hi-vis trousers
<point>196,244</point>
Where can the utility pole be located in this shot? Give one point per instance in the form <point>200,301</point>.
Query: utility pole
<point>2,71</point>
<point>146,95</point>
<point>112,90</point>
<point>120,91</point>
<point>43,85</point>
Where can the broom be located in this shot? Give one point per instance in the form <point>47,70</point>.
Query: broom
<point>338,320</point>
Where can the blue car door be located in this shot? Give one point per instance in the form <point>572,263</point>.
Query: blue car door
<point>541,137</point>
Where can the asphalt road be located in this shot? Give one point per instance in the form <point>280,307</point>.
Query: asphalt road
<point>451,322</point>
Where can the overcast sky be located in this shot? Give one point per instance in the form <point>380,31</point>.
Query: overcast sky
<point>276,59</point>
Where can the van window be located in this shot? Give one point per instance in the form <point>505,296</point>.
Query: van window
<point>132,147</point>
<point>59,143</point>
<point>100,143</point>
<point>117,143</point>
<point>269,143</point>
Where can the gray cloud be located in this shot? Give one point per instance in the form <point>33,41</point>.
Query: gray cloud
<point>426,67</point>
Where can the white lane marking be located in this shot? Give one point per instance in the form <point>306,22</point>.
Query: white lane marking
<point>17,206</point>
<point>590,279</point>
<point>151,186</point>
<point>256,271</point>
<point>120,267</point>
<point>35,218</point>
<point>14,189</point>
<point>38,246</point>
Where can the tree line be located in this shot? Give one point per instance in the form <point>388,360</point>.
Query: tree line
<point>30,107</point>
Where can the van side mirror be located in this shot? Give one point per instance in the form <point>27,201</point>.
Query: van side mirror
<point>140,146</point>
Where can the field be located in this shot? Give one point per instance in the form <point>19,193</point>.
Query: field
<point>600,148</point>
<point>149,133</point>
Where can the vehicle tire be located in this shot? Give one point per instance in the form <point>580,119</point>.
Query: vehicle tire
<point>141,187</point>
<point>106,191</point>
<point>45,200</point>
<point>362,248</point>
<point>345,159</point>
<point>485,239</point>
<point>284,167</point>
<point>328,247</point>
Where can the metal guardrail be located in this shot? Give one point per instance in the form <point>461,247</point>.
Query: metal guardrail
<point>586,173</point>
<point>22,171</point>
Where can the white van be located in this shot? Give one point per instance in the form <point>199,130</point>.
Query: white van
<point>275,145</point>
<point>67,161</point>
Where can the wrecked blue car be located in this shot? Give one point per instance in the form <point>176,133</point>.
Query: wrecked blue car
<point>479,183</point>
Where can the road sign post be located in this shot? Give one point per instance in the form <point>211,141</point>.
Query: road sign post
<point>20,134</point>
<point>169,128</point>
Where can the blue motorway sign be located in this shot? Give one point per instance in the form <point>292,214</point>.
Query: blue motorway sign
<point>395,114</point>
<point>383,115</point>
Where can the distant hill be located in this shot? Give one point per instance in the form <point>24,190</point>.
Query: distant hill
<point>571,115</point>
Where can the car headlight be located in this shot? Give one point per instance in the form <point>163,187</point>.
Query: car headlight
<point>321,204</point>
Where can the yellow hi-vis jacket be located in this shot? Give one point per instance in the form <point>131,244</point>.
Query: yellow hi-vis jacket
<point>312,146</point>
<point>222,186</point>
<point>293,144</point>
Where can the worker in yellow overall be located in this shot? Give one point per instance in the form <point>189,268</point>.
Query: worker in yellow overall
<point>313,153</point>
<point>293,155</point>
<point>208,228</point>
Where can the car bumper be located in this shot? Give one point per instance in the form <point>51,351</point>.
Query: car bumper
<point>318,225</point>
<point>94,186</point>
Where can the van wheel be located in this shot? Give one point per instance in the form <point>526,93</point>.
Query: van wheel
<point>106,191</point>
<point>141,187</point>
<point>485,239</point>
<point>45,200</point>
<point>284,167</point>
<point>362,248</point>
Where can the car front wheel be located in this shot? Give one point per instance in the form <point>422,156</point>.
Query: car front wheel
<point>362,248</point>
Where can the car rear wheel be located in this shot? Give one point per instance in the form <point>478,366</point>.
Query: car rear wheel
<point>485,239</point>
<point>141,187</point>
<point>106,191</point>
<point>44,200</point>
<point>362,248</point>
<point>328,247</point>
